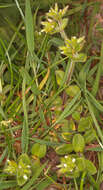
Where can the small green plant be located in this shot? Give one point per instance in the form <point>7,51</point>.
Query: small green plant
<point>73,165</point>
<point>56,24</point>
<point>50,108</point>
<point>22,169</point>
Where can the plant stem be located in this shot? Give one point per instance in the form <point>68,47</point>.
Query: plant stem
<point>62,32</point>
<point>76,186</point>
<point>82,180</point>
<point>71,70</point>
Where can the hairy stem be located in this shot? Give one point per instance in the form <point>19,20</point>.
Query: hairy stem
<point>71,70</point>
<point>62,32</point>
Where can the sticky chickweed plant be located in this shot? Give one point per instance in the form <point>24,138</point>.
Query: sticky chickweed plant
<point>56,23</point>
<point>51,99</point>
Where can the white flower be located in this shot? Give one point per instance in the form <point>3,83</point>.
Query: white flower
<point>66,156</point>
<point>28,166</point>
<point>73,160</point>
<point>25,177</point>
<point>65,165</point>
<point>8,160</point>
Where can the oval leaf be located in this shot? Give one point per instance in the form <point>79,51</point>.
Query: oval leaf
<point>64,149</point>
<point>91,169</point>
<point>78,143</point>
<point>59,76</point>
<point>38,150</point>
<point>72,90</point>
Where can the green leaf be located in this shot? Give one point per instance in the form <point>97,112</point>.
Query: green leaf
<point>85,123</point>
<point>68,126</point>
<point>25,130</point>
<point>84,72</point>
<point>59,76</point>
<point>29,80</point>
<point>67,109</point>
<point>2,113</point>
<point>64,149</point>
<point>94,119</point>
<point>7,184</point>
<point>25,159</point>
<point>95,102</point>
<point>38,150</point>
<point>46,182</point>
<point>90,168</point>
<point>81,57</point>
<point>67,136</point>
<point>80,162</point>
<point>90,135</point>
<point>29,27</point>
<point>64,23</point>
<point>57,101</point>
<point>72,90</point>
<point>76,116</point>
<point>78,143</point>
<point>98,74</point>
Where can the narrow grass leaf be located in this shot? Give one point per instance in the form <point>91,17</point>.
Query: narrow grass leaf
<point>83,72</point>
<point>67,109</point>
<point>45,183</point>
<point>94,119</point>
<point>3,154</point>
<point>66,74</point>
<point>29,27</point>
<point>92,20</point>
<point>41,85</point>
<point>97,149</point>
<point>98,74</point>
<point>20,10</point>
<point>93,182</point>
<point>95,102</point>
<point>29,81</point>
<point>7,184</point>
<point>48,143</point>
<point>2,113</point>
<point>25,133</point>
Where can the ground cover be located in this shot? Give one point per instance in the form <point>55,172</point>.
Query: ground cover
<point>51,95</point>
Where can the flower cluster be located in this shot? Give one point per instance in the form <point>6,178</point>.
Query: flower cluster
<point>73,47</point>
<point>22,169</point>
<point>67,164</point>
<point>55,21</point>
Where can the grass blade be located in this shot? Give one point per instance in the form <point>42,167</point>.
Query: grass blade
<point>67,111</point>
<point>29,27</point>
<point>29,81</point>
<point>95,102</point>
<point>7,184</point>
<point>3,154</point>
<point>25,133</point>
<point>98,74</point>
<point>94,119</point>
